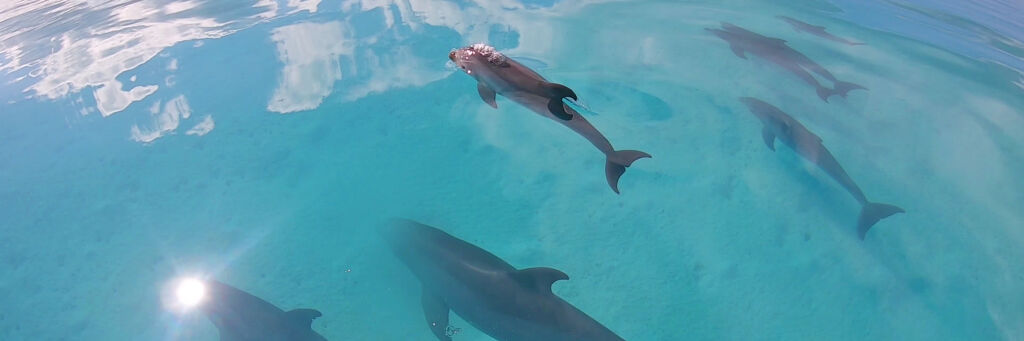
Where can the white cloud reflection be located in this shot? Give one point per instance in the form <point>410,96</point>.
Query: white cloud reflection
<point>310,52</point>
<point>67,56</point>
<point>315,54</point>
<point>164,121</point>
<point>62,57</point>
<point>202,128</point>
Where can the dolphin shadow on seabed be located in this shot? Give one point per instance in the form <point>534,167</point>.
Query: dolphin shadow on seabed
<point>781,126</point>
<point>775,50</point>
<point>819,31</point>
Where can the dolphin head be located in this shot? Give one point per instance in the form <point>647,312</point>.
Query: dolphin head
<point>730,27</point>
<point>719,33</point>
<point>757,107</point>
<point>476,56</point>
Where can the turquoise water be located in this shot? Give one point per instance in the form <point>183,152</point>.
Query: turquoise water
<point>262,142</point>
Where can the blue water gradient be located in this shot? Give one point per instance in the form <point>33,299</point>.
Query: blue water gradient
<point>263,142</point>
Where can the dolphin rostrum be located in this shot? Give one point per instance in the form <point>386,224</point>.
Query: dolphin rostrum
<point>819,31</point>
<point>497,74</point>
<point>496,298</point>
<point>777,52</point>
<point>780,125</point>
<point>240,316</point>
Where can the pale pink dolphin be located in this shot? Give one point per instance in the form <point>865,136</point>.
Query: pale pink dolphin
<point>497,74</point>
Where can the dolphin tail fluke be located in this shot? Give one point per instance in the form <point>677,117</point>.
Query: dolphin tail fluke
<point>824,93</point>
<point>616,165</point>
<point>871,213</point>
<point>841,88</point>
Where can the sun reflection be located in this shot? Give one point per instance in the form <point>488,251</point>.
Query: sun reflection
<point>185,294</point>
<point>191,292</point>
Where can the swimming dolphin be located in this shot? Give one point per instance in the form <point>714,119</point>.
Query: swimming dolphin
<point>778,124</point>
<point>240,316</point>
<point>777,52</point>
<point>497,74</point>
<point>819,31</point>
<point>487,292</point>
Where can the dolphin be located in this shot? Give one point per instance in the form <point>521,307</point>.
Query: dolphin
<point>777,52</point>
<point>240,316</point>
<point>819,31</point>
<point>497,74</point>
<point>780,125</point>
<point>496,298</point>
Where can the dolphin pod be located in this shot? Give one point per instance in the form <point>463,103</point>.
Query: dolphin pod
<point>781,126</point>
<point>497,74</point>
<point>776,51</point>
<point>495,297</point>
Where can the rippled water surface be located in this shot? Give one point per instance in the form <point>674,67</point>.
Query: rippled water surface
<point>262,143</point>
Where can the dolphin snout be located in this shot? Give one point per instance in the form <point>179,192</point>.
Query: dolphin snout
<point>451,55</point>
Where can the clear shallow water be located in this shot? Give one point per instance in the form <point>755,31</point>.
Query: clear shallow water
<point>262,143</point>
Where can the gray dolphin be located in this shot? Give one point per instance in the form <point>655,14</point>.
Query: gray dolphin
<point>240,316</point>
<point>777,52</point>
<point>778,124</point>
<point>497,74</point>
<point>819,31</point>
<point>487,292</point>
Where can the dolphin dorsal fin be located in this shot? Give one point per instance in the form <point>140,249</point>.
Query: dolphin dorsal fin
<point>303,317</point>
<point>540,279</point>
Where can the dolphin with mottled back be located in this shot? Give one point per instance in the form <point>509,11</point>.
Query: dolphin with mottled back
<point>819,31</point>
<point>240,316</point>
<point>779,125</point>
<point>506,303</point>
<point>777,52</point>
<point>497,74</point>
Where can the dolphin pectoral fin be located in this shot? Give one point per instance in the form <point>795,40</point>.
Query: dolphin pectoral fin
<point>303,317</point>
<point>436,312</point>
<point>769,138</point>
<point>540,279</point>
<point>556,92</point>
<point>871,213</point>
<point>556,108</point>
<point>738,52</point>
<point>487,95</point>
